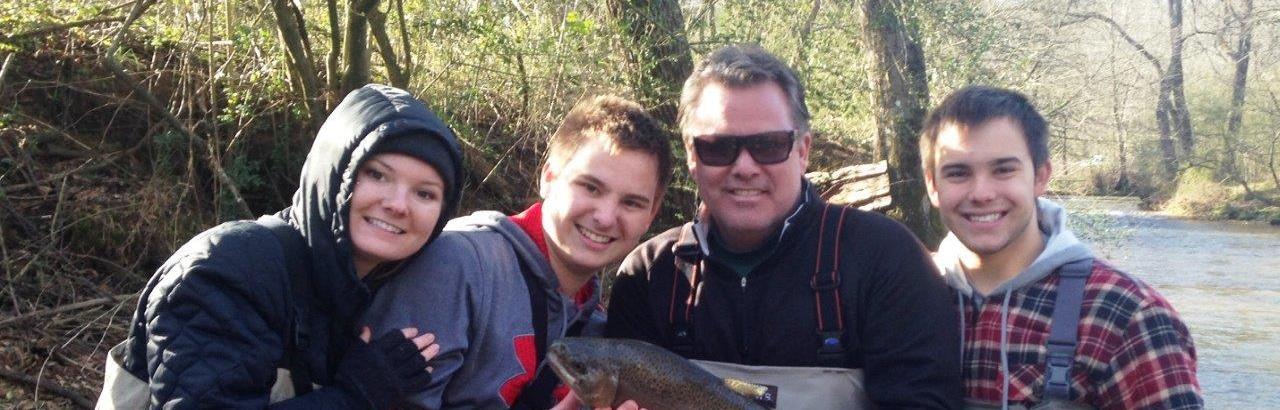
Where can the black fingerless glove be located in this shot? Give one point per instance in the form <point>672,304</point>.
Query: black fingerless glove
<point>383,372</point>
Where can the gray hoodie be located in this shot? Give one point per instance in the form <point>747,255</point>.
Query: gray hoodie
<point>467,288</point>
<point>1061,247</point>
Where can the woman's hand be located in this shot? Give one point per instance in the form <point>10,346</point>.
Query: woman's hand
<point>381,372</point>
<point>425,343</point>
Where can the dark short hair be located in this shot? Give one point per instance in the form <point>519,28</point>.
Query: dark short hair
<point>744,65</point>
<point>973,106</point>
<point>619,124</point>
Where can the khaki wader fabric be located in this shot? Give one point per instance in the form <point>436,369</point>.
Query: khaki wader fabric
<point>802,388</point>
<point>123,390</point>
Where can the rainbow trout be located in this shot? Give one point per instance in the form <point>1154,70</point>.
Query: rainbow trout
<point>608,372</point>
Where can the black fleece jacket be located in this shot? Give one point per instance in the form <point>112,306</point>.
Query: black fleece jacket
<point>211,325</point>
<point>899,325</point>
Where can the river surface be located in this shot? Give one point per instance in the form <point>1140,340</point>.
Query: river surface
<point>1222,277</point>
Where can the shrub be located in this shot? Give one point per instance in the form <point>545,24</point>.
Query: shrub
<point>1198,195</point>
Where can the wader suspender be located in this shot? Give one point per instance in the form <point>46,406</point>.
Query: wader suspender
<point>825,283</point>
<point>826,290</point>
<point>297,260</point>
<point>537,394</point>
<point>1063,330</point>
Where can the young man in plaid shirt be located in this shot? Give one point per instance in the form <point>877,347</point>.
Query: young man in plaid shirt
<point>1010,255</point>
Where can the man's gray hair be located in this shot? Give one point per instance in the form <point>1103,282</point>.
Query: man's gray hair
<point>743,65</point>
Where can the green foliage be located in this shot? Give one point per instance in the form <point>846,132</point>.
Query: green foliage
<point>166,145</point>
<point>579,25</point>
<point>247,175</point>
<point>959,39</point>
<point>22,16</point>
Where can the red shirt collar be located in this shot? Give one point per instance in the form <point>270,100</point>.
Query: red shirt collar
<point>530,221</point>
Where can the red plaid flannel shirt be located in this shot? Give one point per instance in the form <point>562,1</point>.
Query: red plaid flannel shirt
<point>1133,350</point>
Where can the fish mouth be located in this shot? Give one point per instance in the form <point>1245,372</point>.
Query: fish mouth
<point>557,365</point>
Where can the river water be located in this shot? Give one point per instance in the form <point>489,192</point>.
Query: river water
<point>1222,277</point>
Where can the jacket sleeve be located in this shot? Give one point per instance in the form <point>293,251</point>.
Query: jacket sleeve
<point>210,343</point>
<point>630,315</point>
<point>1155,367</point>
<point>910,335</point>
<point>432,294</point>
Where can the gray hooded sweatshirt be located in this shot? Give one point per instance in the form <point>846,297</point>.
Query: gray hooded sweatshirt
<point>467,288</point>
<point>1061,247</point>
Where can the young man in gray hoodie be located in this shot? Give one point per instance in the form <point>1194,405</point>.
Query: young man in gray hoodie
<point>1043,321</point>
<point>476,287</point>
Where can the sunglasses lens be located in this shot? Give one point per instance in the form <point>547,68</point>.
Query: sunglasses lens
<point>716,151</point>
<point>765,148</point>
<point>769,148</point>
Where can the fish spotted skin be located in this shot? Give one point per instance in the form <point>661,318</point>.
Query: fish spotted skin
<point>608,372</point>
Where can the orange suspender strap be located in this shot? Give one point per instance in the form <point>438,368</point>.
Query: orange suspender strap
<point>826,289</point>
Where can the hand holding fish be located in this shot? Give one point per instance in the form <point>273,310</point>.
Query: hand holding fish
<point>571,402</point>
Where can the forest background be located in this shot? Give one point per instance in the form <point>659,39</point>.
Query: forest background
<point>128,126</point>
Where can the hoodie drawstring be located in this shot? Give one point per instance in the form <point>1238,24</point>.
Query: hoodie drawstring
<point>963,317</point>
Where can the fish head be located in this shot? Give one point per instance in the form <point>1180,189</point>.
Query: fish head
<point>584,366</point>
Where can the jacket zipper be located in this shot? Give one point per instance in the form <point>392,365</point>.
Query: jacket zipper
<point>742,316</point>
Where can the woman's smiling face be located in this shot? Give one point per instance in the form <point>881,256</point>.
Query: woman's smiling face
<point>395,207</point>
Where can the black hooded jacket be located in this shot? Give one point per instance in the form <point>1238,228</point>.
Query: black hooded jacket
<point>211,326</point>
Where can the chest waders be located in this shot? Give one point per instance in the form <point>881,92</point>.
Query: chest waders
<point>830,385</point>
<point>1061,348</point>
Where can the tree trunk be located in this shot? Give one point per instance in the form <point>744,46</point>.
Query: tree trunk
<point>657,52</point>
<point>1168,151</point>
<point>395,72</point>
<point>406,53</point>
<point>293,36</point>
<point>900,93</point>
<point>1235,117</point>
<point>356,53</point>
<point>1271,160</point>
<point>1121,184</point>
<point>1164,108</point>
<point>333,72</point>
<point>1181,115</point>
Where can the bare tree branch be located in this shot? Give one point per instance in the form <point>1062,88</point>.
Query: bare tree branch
<point>67,308</point>
<point>1124,34</point>
<point>202,146</point>
<point>4,69</point>
<point>47,385</point>
<point>60,27</point>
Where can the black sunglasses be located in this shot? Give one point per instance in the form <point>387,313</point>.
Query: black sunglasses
<point>765,148</point>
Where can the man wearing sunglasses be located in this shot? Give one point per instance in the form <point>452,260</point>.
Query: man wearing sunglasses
<point>824,306</point>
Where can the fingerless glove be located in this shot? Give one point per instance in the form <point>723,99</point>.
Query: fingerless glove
<point>384,371</point>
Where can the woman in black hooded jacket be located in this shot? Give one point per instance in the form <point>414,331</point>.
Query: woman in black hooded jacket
<point>221,321</point>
